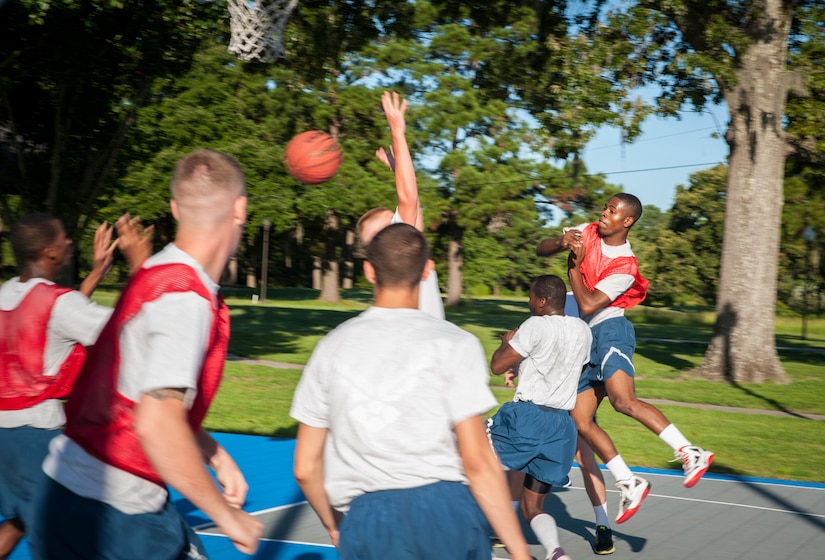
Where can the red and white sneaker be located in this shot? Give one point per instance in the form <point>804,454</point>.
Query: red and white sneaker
<point>695,463</point>
<point>633,492</point>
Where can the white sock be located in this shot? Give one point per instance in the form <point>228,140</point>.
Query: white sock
<point>545,529</point>
<point>619,469</point>
<point>601,515</point>
<point>673,437</point>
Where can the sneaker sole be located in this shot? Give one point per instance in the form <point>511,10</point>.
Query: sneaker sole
<point>604,552</point>
<point>631,512</point>
<point>691,482</point>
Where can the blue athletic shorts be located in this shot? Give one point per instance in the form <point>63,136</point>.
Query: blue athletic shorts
<point>614,342</point>
<point>70,527</point>
<point>22,451</point>
<point>435,521</point>
<point>534,439</point>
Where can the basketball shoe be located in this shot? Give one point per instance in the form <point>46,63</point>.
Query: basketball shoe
<point>604,541</point>
<point>695,463</point>
<point>559,554</point>
<point>633,492</point>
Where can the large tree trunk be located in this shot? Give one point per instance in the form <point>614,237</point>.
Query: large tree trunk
<point>329,283</point>
<point>743,347</point>
<point>455,262</point>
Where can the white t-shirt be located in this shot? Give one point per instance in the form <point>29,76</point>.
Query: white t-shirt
<point>554,348</point>
<point>612,286</point>
<point>429,295</point>
<point>74,320</point>
<point>390,385</point>
<point>161,347</point>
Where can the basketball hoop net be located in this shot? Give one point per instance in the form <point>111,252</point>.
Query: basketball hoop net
<point>258,28</point>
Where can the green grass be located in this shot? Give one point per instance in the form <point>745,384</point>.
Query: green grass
<point>255,399</point>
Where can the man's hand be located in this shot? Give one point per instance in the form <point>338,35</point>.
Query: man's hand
<point>394,109</point>
<point>104,249</point>
<point>576,256</point>
<point>242,529</point>
<point>135,241</point>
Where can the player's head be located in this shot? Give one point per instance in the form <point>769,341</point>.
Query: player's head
<point>547,295</point>
<point>398,255</point>
<point>208,190</point>
<point>372,222</point>
<point>40,236</point>
<point>619,214</point>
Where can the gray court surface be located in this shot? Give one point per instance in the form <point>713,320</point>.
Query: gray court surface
<point>719,518</point>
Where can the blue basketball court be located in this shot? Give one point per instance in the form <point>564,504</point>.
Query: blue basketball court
<point>721,518</point>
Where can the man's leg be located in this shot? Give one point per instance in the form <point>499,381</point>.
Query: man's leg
<point>594,486</point>
<point>633,489</point>
<point>622,392</point>
<point>543,525</point>
<point>11,533</point>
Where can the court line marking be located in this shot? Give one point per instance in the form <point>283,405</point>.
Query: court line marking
<point>715,502</point>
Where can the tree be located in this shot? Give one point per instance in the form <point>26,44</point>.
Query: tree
<point>736,51</point>
<point>74,75</point>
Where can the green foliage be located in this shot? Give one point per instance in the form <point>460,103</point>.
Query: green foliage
<point>73,75</point>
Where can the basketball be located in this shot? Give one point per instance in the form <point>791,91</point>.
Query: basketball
<point>313,157</point>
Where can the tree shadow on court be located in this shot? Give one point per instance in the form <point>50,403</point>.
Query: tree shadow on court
<point>554,505</point>
<point>762,487</point>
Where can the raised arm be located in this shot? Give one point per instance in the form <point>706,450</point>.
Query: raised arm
<point>134,241</point>
<point>554,245</point>
<point>400,160</point>
<point>104,249</point>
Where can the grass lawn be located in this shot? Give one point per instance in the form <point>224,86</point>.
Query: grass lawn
<point>255,399</point>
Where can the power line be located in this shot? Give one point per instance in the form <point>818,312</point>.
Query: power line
<point>653,138</point>
<point>658,168</point>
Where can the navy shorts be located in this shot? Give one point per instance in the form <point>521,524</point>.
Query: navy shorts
<point>22,451</point>
<point>614,342</point>
<point>70,527</point>
<point>534,439</point>
<point>435,521</point>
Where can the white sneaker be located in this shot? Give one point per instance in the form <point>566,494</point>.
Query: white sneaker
<point>558,554</point>
<point>695,463</point>
<point>633,492</point>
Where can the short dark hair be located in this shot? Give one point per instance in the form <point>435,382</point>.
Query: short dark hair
<point>551,288</point>
<point>398,253</point>
<point>632,204</point>
<point>31,234</point>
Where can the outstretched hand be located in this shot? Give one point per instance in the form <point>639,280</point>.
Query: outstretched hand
<point>394,109</point>
<point>135,241</point>
<point>104,249</point>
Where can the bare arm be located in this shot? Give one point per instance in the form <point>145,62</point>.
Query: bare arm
<point>589,302</point>
<point>555,245</point>
<point>489,485</point>
<point>309,472</point>
<point>406,186</point>
<point>230,477</point>
<point>104,249</point>
<point>174,451</point>
<point>505,357</point>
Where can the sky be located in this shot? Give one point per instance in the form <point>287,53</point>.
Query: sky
<point>664,156</point>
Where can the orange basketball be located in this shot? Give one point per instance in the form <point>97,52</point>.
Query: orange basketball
<point>313,157</point>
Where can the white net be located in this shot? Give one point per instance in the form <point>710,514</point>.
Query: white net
<point>258,28</point>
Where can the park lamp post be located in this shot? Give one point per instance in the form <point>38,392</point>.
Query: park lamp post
<point>809,235</point>
<point>265,260</point>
